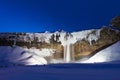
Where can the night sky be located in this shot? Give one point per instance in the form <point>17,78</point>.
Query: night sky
<point>51,15</point>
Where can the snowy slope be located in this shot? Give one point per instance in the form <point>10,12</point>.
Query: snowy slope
<point>111,53</point>
<point>24,56</point>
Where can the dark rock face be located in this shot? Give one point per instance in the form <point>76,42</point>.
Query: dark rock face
<point>115,22</point>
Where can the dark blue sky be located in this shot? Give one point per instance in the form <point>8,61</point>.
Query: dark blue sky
<point>51,15</point>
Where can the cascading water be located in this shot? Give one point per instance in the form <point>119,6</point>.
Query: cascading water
<point>67,51</point>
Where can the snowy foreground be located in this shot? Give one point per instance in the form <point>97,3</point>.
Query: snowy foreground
<point>101,71</point>
<point>33,56</point>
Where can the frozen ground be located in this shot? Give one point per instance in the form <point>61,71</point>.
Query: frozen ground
<point>101,71</point>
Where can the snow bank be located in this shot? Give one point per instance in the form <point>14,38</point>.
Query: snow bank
<point>18,55</point>
<point>111,53</point>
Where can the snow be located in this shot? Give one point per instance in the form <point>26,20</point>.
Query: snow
<point>78,36</point>
<point>41,52</point>
<point>19,55</point>
<point>94,37</point>
<point>47,35</point>
<point>75,36</point>
<point>111,53</point>
<point>62,72</point>
<point>41,36</point>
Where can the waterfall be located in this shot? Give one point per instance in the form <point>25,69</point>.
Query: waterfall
<point>14,44</point>
<point>68,53</point>
<point>67,49</point>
